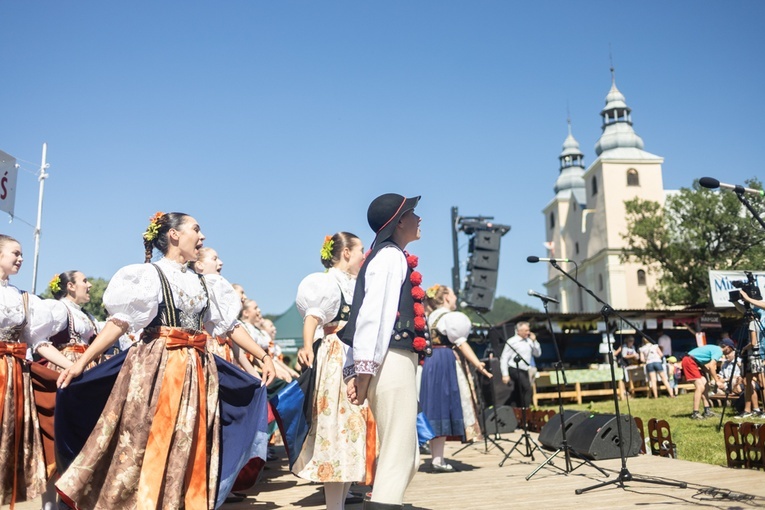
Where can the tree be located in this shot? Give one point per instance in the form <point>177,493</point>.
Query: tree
<point>502,310</point>
<point>696,230</point>
<point>95,306</point>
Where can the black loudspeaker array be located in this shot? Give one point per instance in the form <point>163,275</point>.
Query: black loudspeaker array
<point>483,264</point>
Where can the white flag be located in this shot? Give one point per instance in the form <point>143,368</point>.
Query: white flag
<point>8,172</point>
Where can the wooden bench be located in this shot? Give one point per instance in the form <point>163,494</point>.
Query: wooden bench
<point>581,383</point>
<point>638,383</point>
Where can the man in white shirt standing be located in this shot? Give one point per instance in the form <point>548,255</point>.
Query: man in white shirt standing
<point>524,345</point>
<point>386,345</point>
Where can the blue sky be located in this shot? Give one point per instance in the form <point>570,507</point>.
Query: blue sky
<point>276,123</point>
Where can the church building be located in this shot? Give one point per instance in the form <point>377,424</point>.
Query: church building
<point>585,220</point>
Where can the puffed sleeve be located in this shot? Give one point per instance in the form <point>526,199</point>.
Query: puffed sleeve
<point>40,324</point>
<point>133,296</point>
<point>59,320</point>
<point>318,296</point>
<point>225,305</point>
<point>456,327</point>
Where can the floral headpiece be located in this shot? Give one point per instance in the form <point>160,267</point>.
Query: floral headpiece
<point>431,292</point>
<point>153,229</point>
<point>55,284</point>
<point>326,248</point>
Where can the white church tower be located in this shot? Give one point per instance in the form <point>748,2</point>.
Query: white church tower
<point>586,219</point>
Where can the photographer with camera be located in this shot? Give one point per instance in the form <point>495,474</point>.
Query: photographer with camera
<point>751,354</point>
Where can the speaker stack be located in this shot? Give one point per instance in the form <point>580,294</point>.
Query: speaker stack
<point>593,436</point>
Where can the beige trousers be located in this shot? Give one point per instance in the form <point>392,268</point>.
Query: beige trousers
<point>393,400</point>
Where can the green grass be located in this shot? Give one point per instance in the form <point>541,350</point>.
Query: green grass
<point>696,440</point>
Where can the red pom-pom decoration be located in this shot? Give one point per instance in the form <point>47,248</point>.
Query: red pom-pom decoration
<point>398,315</point>
<point>422,361</point>
<point>418,294</point>
<point>415,278</point>
<point>419,343</point>
<point>419,323</point>
<point>419,310</point>
<point>412,260</point>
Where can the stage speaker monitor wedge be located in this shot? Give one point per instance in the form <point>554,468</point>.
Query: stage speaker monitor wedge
<point>597,437</point>
<point>551,436</point>
<point>501,422</point>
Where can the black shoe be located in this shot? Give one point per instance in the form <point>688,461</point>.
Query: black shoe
<point>425,449</point>
<point>234,498</point>
<point>696,416</point>
<point>354,497</point>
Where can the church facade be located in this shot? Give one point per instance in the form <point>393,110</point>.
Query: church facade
<point>586,219</point>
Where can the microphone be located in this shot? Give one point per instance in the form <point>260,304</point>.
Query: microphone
<point>543,297</point>
<point>534,259</point>
<point>712,183</point>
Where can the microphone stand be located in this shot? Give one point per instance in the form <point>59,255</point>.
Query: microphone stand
<point>560,378</point>
<point>624,474</point>
<point>525,436</point>
<point>748,205</point>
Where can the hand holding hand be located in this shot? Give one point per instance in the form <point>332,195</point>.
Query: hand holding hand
<point>68,374</point>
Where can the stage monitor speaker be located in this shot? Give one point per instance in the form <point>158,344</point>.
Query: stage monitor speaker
<point>501,422</point>
<point>551,436</point>
<point>501,390</point>
<point>597,437</point>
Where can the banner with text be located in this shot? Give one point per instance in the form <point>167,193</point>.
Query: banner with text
<point>720,285</point>
<point>8,172</point>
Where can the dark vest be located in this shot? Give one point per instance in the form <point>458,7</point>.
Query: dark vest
<point>403,330</point>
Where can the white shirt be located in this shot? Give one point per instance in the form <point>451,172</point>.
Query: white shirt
<point>377,316</point>
<point>320,294</point>
<point>665,342</point>
<point>39,321</point>
<point>83,325</point>
<point>525,347</point>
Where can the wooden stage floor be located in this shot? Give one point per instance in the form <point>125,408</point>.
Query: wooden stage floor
<point>480,483</point>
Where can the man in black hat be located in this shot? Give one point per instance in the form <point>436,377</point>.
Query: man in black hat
<point>384,357</point>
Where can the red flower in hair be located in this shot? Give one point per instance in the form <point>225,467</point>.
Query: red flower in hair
<point>412,260</point>
<point>419,323</point>
<point>415,278</point>
<point>419,310</point>
<point>418,294</point>
<point>419,343</point>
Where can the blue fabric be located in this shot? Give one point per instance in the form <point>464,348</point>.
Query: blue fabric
<point>440,394</point>
<point>79,406</point>
<point>244,423</point>
<point>289,404</point>
<point>706,353</point>
<point>424,430</point>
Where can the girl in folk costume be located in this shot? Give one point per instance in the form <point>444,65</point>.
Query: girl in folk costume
<point>23,317</point>
<point>74,327</point>
<point>445,392</point>
<point>208,262</point>
<point>164,434</point>
<point>334,450</point>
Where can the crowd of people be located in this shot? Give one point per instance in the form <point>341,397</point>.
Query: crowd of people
<point>165,404</point>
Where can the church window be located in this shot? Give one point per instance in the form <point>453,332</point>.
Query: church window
<point>641,277</point>
<point>600,282</point>
<point>552,220</point>
<point>576,247</point>
<point>633,179</point>
<point>594,185</point>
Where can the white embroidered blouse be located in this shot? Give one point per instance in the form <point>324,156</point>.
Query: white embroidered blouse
<point>39,322</point>
<point>134,294</point>
<point>320,295</point>
<point>84,326</point>
<point>455,325</point>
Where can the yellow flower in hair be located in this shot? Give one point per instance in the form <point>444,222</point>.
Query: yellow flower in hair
<point>153,229</point>
<point>326,248</point>
<point>55,284</point>
<point>431,292</point>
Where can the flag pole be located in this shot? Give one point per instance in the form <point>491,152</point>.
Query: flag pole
<point>43,175</point>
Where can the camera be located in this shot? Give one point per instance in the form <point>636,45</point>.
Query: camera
<point>749,286</point>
